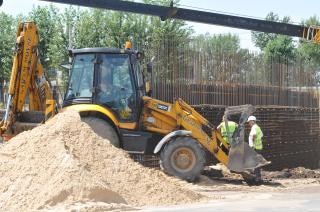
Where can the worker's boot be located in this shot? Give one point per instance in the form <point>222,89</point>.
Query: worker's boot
<point>257,171</point>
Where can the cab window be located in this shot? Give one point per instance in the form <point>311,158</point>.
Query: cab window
<point>81,79</point>
<point>115,88</point>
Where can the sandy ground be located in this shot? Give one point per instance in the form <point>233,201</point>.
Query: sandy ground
<point>230,194</point>
<point>64,166</point>
<point>258,201</point>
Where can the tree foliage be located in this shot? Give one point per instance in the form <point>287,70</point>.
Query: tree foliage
<point>274,45</point>
<point>310,51</point>
<point>48,21</point>
<point>7,40</point>
<point>168,40</point>
<point>227,54</point>
<point>280,47</point>
<point>261,39</point>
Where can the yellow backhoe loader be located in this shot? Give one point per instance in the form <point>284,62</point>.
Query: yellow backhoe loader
<point>107,88</point>
<point>140,124</point>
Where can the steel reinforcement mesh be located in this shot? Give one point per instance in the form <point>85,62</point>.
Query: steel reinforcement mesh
<point>236,94</point>
<point>291,134</point>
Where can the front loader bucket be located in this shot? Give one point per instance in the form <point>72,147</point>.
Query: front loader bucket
<point>243,158</point>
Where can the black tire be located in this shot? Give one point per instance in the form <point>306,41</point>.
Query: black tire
<point>183,157</point>
<point>103,129</point>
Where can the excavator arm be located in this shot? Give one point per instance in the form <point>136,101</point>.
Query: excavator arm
<point>27,81</point>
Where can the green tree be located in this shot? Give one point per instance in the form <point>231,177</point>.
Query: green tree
<point>226,43</point>
<point>48,20</point>
<point>310,55</point>
<point>172,29</point>
<point>310,51</point>
<point>280,47</point>
<point>261,39</point>
<point>274,45</point>
<point>90,29</point>
<point>7,41</point>
<point>70,18</point>
<point>166,40</point>
<point>222,57</point>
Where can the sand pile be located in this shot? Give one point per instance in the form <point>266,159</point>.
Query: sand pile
<point>63,164</point>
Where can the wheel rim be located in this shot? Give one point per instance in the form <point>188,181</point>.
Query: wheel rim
<point>183,159</point>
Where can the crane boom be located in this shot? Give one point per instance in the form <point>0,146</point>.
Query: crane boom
<point>309,33</point>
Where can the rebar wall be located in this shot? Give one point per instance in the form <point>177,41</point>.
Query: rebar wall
<point>284,90</point>
<point>291,134</point>
<point>195,72</point>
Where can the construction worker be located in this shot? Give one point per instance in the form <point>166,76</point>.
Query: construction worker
<point>232,126</point>
<point>255,141</point>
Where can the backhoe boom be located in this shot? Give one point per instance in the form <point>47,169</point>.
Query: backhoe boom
<point>27,81</point>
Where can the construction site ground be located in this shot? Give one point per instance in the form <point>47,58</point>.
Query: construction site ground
<point>301,195</point>
<point>64,166</point>
<point>279,192</point>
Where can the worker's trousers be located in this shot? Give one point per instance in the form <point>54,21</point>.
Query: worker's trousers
<point>257,171</point>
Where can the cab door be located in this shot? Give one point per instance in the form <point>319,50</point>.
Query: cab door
<point>115,88</point>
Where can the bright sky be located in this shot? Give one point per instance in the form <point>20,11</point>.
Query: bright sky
<point>297,10</point>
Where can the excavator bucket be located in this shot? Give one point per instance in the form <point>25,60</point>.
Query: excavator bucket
<point>241,156</point>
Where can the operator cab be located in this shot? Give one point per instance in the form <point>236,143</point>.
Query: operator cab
<point>108,77</point>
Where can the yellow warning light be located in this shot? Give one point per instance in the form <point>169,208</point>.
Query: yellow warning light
<point>128,45</point>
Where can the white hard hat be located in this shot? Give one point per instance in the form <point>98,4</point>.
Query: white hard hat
<point>252,118</point>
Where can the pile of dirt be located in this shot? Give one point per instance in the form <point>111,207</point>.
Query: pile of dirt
<point>294,173</point>
<point>64,164</point>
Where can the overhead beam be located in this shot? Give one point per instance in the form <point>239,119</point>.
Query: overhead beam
<point>191,15</point>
